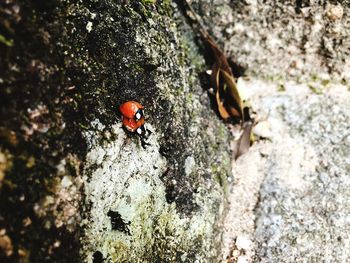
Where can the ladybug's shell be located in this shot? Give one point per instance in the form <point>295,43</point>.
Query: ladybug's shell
<point>131,125</point>
<point>129,109</point>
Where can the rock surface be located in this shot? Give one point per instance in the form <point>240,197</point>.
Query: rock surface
<point>294,201</point>
<point>289,200</point>
<point>304,201</point>
<point>301,40</point>
<point>75,187</point>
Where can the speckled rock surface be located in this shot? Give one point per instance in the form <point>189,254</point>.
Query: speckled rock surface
<point>75,187</point>
<point>304,202</point>
<point>163,203</point>
<point>296,204</point>
<point>131,217</point>
<point>283,39</point>
<point>289,201</point>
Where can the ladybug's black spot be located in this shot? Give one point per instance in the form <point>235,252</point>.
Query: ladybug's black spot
<point>97,257</point>
<point>118,223</point>
<point>139,115</point>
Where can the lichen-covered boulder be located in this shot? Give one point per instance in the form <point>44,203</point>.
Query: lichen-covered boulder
<point>75,186</point>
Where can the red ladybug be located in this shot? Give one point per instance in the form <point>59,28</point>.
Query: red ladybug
<point>131,110</point>
<point>133,119</point>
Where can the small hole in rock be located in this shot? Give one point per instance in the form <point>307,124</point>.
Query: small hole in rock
<point>118,223</point>
<point>170,194</point>
<point>97,257</point>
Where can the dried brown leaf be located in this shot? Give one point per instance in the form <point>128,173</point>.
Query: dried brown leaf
<point>233,92</point>
<point>222,110</point>
<point>244,140</point>
<point>227,95</point>
<point>224,83</point>
<point>220,58</point>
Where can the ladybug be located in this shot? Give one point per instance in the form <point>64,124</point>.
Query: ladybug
<point>133,119</point>
<point>132,110</point>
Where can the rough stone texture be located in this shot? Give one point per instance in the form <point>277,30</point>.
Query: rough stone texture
<point>167,201</point>
<point>131,216</point>
<point>302,205</point>
<point>303,212</point>
<point>283,39</point>
<point>249,171</point>
<point>289,201</point>
<point>74,185</point>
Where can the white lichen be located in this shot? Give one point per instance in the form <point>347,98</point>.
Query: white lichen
<point>123,177</point>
